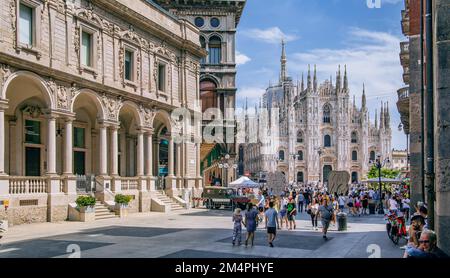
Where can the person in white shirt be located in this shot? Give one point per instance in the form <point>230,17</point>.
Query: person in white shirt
<point>393,205</point>
<point>406,207</point>
<point>341,201</point>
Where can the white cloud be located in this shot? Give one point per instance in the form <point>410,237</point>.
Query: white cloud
<point>371,58</point>
<point>242,59</point>
<point>269,35</point>
<point>252,94</point>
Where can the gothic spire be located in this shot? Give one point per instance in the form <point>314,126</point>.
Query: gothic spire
<point>303,84</point>
<point>364,101</point>
<point>331,81</point>
<point>376,118</point>
<point>338,80</point>
<point>246,104</point>
<point>283,60</point>
<point>382,116</point>
<point>388,116</point>
<point>315,78</point>
<point>309,85</point>
<point>345,79</point>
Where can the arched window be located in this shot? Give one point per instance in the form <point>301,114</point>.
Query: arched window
<point>372,155</point>
<point>300,155</point>
<point>208,94</point>
<point>203,44</point>
<point>327,141</point>
<point>281,155</point>
<point>354,137</point>
<point>354,177</point>
<point>355,156</point>
<point>215,50</point>
<point>300,137</point>
<point>300,177</point>
<point>326,114</point>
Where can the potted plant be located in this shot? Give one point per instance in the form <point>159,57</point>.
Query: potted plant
<point>85,204</point>
<point>122,202</point>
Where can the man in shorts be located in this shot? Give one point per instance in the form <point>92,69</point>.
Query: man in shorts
<point>271,223</point>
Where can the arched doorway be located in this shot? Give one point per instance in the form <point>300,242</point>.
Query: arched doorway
<point>128,161</point>
<point>326,172</point>
<point>164,150</point>
<point>208,94</point>
<point>27,151</point>
<point>300,177</point>
<point>354,177</point>
<point>85,130</point>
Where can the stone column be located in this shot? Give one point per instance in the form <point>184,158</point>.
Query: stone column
<point>68,147</point>
<point>149,153</point>
<point>140,154</point>
<point>51,145</point>
<point>2,140</point>
<point>103,151</point>
<point>114,151</point>
<point>171,160</point>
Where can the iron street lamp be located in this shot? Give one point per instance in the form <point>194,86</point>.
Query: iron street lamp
<point>226,164</point>
<point>379,165</point>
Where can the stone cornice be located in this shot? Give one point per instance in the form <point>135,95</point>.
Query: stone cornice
<point>69,78</point>
<point>137,19</point>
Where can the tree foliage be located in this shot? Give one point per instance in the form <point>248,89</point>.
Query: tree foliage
<point>385,173</point>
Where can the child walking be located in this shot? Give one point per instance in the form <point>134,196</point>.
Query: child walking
<point>237,229</point>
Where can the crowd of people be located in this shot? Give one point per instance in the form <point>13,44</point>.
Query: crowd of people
<point>279,211</point>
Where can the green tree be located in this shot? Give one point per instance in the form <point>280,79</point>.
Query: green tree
<point>385,173</point>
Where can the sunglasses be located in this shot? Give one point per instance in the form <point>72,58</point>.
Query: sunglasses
<point>424,241</point>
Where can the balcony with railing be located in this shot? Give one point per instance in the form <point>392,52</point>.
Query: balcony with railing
<point>404,53</point>
<point>403,107</point>
<point>27,185</point>
<point>405,22</point>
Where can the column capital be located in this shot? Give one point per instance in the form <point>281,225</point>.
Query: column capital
<point>114,127</point>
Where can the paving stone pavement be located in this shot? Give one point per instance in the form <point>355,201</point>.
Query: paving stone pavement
<point>196,233</point>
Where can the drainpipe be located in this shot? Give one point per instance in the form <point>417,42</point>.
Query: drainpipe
<point>430,115</point>
<point>422,106</point>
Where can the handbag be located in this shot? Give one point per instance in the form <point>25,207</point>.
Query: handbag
<point>308,211</point>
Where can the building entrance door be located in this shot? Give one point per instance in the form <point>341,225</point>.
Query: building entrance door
<point>326,172</point>
<point>32,162</point>
<point>79,163</point>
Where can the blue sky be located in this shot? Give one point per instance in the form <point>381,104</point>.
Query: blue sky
<point>326,33</point>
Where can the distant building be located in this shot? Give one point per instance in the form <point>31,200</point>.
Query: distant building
<point>399,160</point>
<point>313,130</point>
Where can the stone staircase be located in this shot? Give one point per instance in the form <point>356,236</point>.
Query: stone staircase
<point>174,206</point>
<point>102,212</point>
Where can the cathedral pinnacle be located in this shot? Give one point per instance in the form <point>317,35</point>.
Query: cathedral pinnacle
<point>364,102</point>
<point>338,80</point>
<point>315,79</point>
<point>309,85</point>
<point>283,74</point>
<point>303,84</point>
<point>345,79</point>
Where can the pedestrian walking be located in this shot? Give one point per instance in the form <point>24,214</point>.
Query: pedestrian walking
<point>312,211</point>
<point>301,201</point>
<point>326,213</point>
<point>271,223</point>
<point>291,213</point>
<point>341,202</point>
<point>237,228</point>
<point>251,217</point>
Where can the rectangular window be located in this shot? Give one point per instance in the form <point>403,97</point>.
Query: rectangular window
<point>86,49</point>
<point>129,65</point>
<point>26,26</point>
<point>78,137</point>
<point>32,132</point>
<point>162,78</point>
<point>214,55</point>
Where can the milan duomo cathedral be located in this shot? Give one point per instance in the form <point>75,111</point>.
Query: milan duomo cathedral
<point>307,131</point>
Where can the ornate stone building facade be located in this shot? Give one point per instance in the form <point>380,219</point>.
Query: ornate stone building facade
<point>313,129</point>
<point>87,88</point>
<point>217,21</point>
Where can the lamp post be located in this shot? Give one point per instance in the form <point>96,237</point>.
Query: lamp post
<point>319,152</point>
<point>226,164</point>
<point>379,164</point>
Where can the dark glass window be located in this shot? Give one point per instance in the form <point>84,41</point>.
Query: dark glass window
<point>355,156</point>
<point>326,114</point>
<point>372,155</point>
<point>199,22</point>
<point>32,132</point>
<point>354,137</point>
<point>78,137</point>
<point>300,177</point>
<point>203,44</point>
<point>26,28</point>
<point>300,155</point>
<point>299,137</point>
<point>128,65</point>
<point>215,50</point>
<point>215,22</point>
<point>161,77</point>
<point>281,155</point>
<point>327,141</point>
